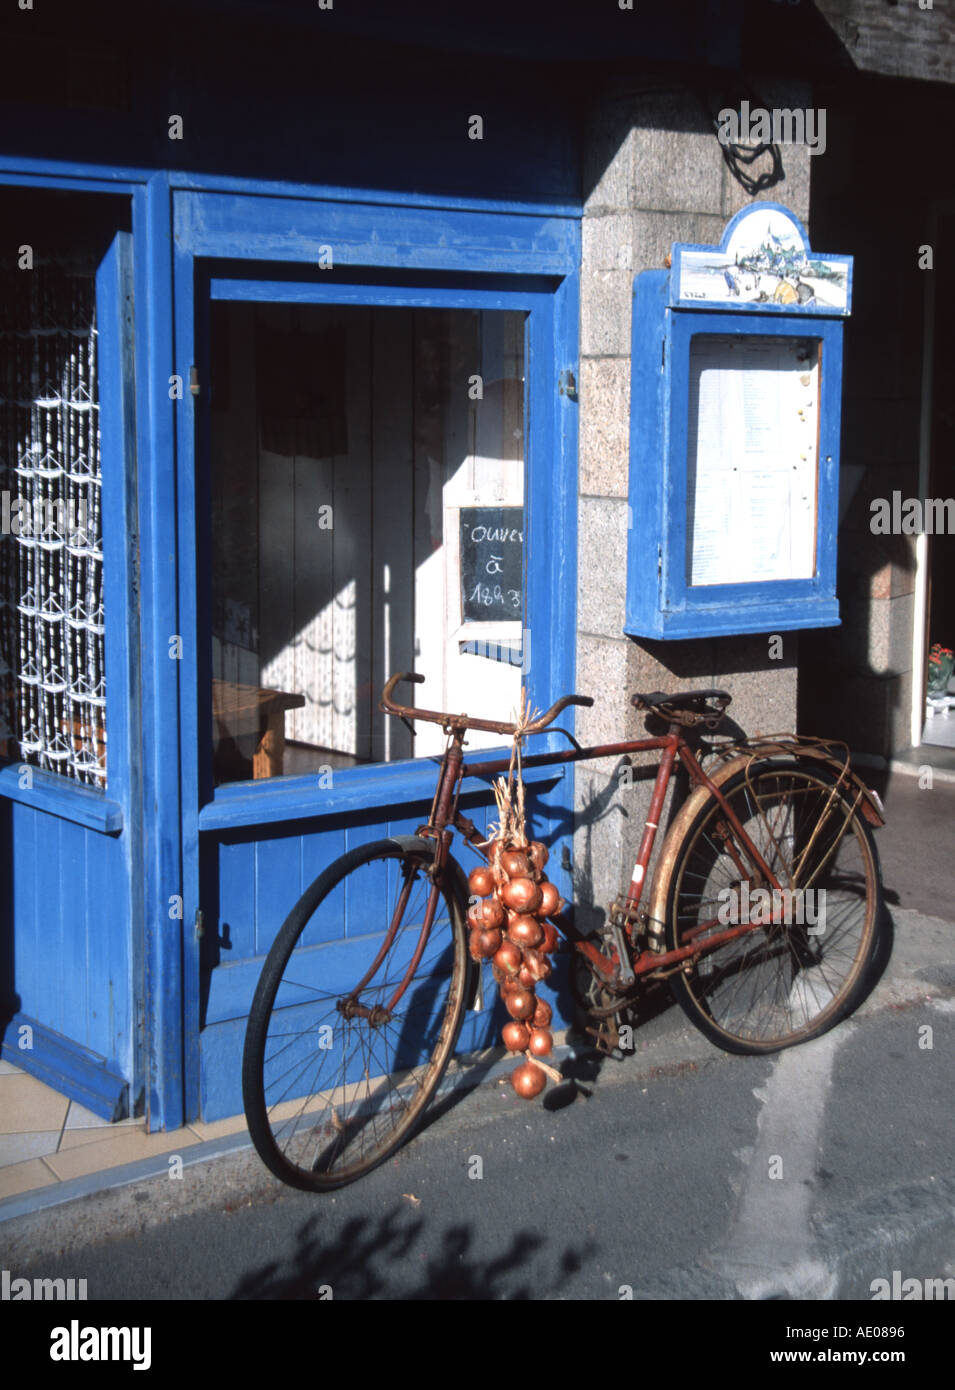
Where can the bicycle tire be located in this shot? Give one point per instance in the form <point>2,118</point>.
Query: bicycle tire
<point>786,983</point>
<point>342,1120</point>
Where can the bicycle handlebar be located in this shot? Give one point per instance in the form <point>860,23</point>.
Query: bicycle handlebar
<point>464,721</point>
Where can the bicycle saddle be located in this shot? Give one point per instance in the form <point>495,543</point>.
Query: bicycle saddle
<point>686,707</point>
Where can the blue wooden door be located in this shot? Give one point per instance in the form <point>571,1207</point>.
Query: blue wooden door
<point>341,428</point>
<point>70,909</point>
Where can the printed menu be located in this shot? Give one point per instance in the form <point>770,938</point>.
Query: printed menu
<point>752,459</point>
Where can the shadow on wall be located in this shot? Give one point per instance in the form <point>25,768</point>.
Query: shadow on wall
<point>842,693</point>
<point>856,681</point>
<point>607,809</point>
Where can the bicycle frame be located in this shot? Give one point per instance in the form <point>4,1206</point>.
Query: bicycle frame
<point>445,814</point>
<point>746,808</point>
<point>616,972</point>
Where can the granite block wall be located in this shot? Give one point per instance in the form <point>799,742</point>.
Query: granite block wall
<point>654,174</point>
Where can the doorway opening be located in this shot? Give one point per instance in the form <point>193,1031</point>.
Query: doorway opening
<point>935,685</point>
<point>348,447</point>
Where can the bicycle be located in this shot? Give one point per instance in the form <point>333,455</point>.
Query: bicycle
<point>342,1060</point>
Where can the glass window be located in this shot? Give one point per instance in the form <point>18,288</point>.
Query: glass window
<point>52,670</point>
<point>355,453</point>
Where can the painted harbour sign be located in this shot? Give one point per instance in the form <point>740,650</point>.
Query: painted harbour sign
<point>765,260</point>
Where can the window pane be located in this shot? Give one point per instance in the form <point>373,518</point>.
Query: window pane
<point>52,673</point>
<point>346,441</point>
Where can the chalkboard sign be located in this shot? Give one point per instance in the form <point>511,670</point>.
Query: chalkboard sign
<point>492,555</point>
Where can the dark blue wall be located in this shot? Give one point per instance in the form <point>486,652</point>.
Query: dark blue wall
<point>365,95</point>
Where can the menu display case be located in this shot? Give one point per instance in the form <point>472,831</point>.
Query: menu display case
<point>735,416</point>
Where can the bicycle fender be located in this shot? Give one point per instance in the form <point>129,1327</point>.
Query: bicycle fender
<point>657,906</point>
<point>779,752</point>
<point>812,752</point>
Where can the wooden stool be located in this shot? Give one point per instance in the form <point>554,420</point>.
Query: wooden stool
<point>250,709</point>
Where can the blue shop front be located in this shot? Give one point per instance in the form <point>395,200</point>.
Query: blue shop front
<point>269,366</point>
<point>290,347</point>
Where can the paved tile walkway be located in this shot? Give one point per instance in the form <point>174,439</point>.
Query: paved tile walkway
<point>45,1138</point>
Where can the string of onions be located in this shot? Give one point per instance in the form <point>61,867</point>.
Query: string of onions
<point>509,925</point>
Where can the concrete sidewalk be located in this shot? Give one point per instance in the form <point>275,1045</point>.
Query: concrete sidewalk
<point>53,1151</point>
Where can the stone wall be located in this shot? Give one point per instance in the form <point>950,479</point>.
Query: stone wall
<point>654,174</point>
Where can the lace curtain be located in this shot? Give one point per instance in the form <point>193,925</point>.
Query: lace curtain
<point>52,674</point>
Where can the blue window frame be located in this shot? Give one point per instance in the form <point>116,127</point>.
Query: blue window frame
<point>216,239</point>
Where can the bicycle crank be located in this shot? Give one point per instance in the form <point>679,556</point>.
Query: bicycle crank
<point>606,1035</point>
<point>599,1003</point>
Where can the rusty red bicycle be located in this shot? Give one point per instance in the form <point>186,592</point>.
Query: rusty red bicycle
<point>344,1051</point>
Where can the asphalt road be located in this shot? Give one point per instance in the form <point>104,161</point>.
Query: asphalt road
<point>679,1172</point>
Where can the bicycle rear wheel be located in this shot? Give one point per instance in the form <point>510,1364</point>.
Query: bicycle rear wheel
<point>789,980</point>
<point>336,1076</point>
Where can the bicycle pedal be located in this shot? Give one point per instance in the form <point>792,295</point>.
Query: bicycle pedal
<point>606,1037</point>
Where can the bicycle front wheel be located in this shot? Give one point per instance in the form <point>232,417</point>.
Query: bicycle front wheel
<point>805,963</point>
<point>337,1071</point>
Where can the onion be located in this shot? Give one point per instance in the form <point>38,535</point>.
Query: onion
<point>543,1014</point>
<point>514,863</point>
<point>551,940</point>
<point>526,978</point>
<point>550,899</point>
<point>481,881</point>
<point>528,1080</point>
<point>541,1042</point>
<point>508,958</point>
<point>538,855</point>
<point>484,943</point>
<point>521,895</point>
<point>520,1003</point>
<point>515,1036</point>
<point>525,930</point>
<point>487,914</point>
<point>536,964</point>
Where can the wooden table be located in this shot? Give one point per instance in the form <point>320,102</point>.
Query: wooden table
<point>250,709</point>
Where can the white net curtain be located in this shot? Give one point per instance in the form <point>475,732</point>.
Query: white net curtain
<point>52,675</point>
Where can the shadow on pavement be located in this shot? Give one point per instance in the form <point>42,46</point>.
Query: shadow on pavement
<point>364,1259</point>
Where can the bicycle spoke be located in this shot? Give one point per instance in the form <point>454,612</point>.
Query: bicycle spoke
<point>783,978</point>
<point>339,1081</point>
